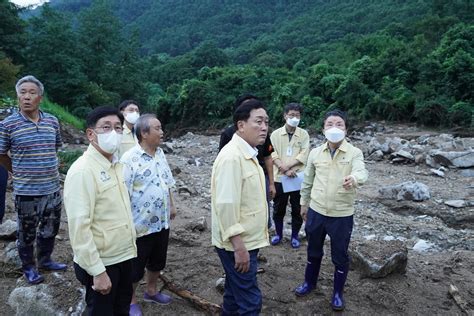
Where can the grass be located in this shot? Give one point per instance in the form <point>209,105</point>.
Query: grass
<point>62,114</point>
<point>66,158</point>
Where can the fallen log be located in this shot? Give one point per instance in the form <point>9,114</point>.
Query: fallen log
<point>195,300</point>
<point>463,305</point>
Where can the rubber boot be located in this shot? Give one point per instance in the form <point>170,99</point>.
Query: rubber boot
<point>295,241</point>
<point>340,276</point>
<point>28,264</point>
<point>279,232</point>
<point>44,250</point>
<point>311,275</point>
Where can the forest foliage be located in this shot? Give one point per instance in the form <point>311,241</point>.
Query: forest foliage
<point>188,60</point>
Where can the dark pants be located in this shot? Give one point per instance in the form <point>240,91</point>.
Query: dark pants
<point>151,253</point>
<point>44,212</point>
<point>279,207</point>
<point>117,302</point>
<point>242,295</point>
<point>339,230</point>
<point>3,191</point>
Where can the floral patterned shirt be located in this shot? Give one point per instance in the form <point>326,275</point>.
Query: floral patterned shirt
<point>148,180</point>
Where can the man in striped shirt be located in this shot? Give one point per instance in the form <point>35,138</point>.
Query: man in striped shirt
<point>33,138</point>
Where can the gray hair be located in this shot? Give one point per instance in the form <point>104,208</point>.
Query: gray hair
<point>142,125</point>
<point>31,79</point>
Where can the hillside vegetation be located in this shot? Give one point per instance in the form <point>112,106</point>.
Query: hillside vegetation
<point>188,60</point>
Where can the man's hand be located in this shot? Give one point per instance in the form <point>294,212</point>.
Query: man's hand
<point>242,260</point>
<point>283,168</point>
<point>272,190</point>
<point>102,283</point>
<point>241,255</point>
<point>290,173</point>
<point>173,212</point>
<point>348,183</point>
<point>304,212</point>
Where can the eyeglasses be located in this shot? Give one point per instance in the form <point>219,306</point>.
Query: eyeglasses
<point>107,129</point>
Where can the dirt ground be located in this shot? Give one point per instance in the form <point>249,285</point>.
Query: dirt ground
<point>193,264</point>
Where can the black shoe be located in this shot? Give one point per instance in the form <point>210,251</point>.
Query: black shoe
<point>32,275</point>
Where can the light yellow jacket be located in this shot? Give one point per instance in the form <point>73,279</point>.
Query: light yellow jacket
<point>238,198</point>
<point>299,148</point>
<point>129,140</point>
<point>97,204</point>
<point>323,177</point>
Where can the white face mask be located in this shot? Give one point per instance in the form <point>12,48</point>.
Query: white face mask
<point>293,121</point>
<point>132,117</point>
<point>109,142</point>
<point>334,135</point>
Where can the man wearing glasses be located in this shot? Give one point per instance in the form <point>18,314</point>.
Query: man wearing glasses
<point>33,138</point>
<point>100,221</point>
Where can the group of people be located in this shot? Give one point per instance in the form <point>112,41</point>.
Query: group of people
<point>119,202</point>
<point>324,199</point>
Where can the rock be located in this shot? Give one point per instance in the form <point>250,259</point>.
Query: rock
<point>185,189</point>
<point>32,300</point>
<point>422,245</point>
<point>373,146</point>
<point>199,224</point>
<point>411,190</point>
<point>167,147</point>
<point>175,170</point>
<point>404,154</point>
<point>376,156</point>
<point>456,203</point>
<point>8,230</point>
<point>377,259</point>
<point>220,284</point>
<point>419,158</point>
<point>431,162</point>
<point>10,255</point>
<point>456,159</point>
<point>437,172</point>
<point>468,173</point>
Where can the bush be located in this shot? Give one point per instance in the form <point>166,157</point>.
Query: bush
<point>461,114</point>
<point>66,158</point>
<point>432,112</point>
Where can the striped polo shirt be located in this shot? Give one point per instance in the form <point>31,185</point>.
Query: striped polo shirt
<point>32,149</point>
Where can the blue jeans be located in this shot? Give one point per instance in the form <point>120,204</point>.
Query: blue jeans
<point>339,230</point>
<point>242,295</point>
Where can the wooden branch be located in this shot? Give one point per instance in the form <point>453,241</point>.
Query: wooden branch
<point>195,300</point>
<point>463,305</point>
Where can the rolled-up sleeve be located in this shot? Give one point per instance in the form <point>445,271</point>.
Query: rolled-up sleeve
<point>359,172</point>
<point>228,190</point>
<point>307,185</point>
<point>79,201</point>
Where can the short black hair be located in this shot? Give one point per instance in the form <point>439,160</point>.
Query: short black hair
<point>100,112</point>
<point>293,107</point>
<point>126,103</point>
<point>242,98</point>
<point>243,111</point>
<point>336,112</point>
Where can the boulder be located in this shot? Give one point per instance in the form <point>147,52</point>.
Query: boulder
<point>377,259</point>
<point>468,173</point>
<point>456,159</point>
<point>8,230</point>
<point>32,300</point>
<point>373,146</point>
<point>376,156</point>
<point>411,190</point>
<point>167,147</point>
<point>10,255</point>
<point>422,245</point>
<point>456,203</point>
<point>199,224</point>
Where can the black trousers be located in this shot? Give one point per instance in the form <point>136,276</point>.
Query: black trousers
<point>117,302</point>
<point>279,207</point>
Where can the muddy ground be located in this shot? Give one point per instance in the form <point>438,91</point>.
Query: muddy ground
<point>193,264</point>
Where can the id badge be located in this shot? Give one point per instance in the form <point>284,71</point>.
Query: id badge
<point>289,151</point>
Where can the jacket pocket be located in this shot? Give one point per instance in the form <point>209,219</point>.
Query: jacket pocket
<point>117,239</point>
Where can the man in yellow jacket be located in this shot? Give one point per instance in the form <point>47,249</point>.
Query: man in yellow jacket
<point>239,209</point>
<point>100,221</point>
<point>333,172</point>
